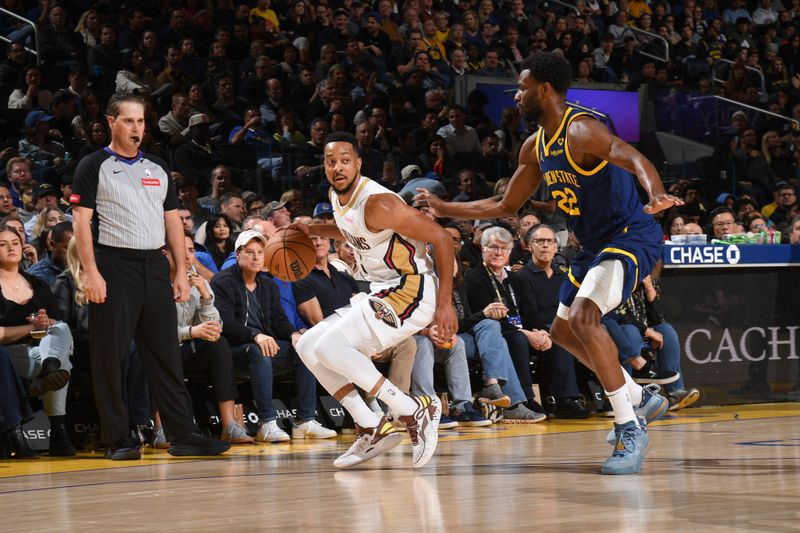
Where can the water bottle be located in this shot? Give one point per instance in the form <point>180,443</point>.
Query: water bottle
<point>67,158</point>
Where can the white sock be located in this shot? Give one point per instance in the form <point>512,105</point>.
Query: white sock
<point>362,415</point>
<point>634,389</point>
<point>621,403</point>
<point>399,402</point>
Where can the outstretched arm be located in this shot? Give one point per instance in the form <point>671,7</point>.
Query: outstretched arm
<point>590,142</point>
<point>524,181</point>
<point>387,211</point>
<point>329,231</point>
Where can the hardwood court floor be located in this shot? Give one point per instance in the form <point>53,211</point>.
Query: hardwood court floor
<point>709,469</point>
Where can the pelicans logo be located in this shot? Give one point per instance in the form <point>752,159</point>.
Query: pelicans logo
<point>383,312</point>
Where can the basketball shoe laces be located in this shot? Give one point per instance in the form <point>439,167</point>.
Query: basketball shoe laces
<point>413,426</point>
<point>626,439</point>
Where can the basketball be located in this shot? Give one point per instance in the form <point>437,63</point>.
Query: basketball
<point>289,255</point>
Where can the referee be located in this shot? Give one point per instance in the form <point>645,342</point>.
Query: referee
<point>124,204</point>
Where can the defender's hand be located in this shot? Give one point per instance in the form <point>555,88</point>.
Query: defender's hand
<point>661,202</point>
<point>425,197</point>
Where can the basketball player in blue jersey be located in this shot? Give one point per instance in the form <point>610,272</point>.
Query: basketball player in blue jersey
<point>591,174</point>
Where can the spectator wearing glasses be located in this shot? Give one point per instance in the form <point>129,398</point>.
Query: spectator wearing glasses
<point>786,200</point>
<point>488,287</point>
<point>538,287</point>
<point>723,222</point>
<point>755,222</point>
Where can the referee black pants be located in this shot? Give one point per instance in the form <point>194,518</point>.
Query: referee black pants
<point>139,306</point>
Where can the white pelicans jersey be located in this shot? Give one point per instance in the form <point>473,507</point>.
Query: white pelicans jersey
<point>383,257</point>
<point>399,269</point>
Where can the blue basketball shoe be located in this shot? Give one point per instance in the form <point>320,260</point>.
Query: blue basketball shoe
<point>653,407</point>
<point>629,451</point>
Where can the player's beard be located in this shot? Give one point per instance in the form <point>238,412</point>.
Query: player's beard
<point>532,111</point>
<point>347,188</point>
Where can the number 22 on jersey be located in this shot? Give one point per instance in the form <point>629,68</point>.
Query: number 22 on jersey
<point>567,201</point>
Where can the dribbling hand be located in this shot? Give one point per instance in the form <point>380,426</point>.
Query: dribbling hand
<point>299,226</point>
<point>425,197</point>
<point>445,321</point>
<point>660,202</point>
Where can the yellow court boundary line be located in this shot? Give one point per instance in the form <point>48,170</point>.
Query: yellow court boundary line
<point>90,461</point>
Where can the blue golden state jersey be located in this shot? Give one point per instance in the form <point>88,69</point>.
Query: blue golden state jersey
<point>601,202</point>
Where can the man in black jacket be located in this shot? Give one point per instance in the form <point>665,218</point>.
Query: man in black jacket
<point>488,287</point>
<point>263,339</point>
<point>538,287</point>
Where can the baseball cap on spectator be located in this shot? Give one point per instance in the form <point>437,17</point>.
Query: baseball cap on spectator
<point>409,190</point>
<point>273,206</point>
<point>248,235</point>
<point>36,116</point>
<point>323,208</point>
<point>198,119</point>
<point>772,47</point>
<point>372,14</point>
<point>43,190</point>
<point>248,196</point>
<point>723,197</point>
<point>739,113</point>
<point>483,224</point>
<point>780,185</point>
<point>408,172</point>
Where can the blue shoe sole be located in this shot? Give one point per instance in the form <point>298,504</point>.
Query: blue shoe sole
<point>656,414</point>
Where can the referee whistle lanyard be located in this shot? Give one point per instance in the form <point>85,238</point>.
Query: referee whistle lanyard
<point>496,284</point>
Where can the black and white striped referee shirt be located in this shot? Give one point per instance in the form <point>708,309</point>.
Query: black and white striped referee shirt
<point>128,196</point>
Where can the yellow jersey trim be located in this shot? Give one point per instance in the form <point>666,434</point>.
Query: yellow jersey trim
<point>627,254</point>
<point>572,278</point>
<point>575,166</point>
<point>344,209</point>
<point>558,132</point>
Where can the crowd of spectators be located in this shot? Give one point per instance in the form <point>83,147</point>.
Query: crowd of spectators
<point>241,98</point>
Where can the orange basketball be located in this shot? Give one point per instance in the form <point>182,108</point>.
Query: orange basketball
<point>289,255</point>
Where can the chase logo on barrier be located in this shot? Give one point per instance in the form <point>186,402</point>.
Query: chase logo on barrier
<point>703,255</point>
<point>732,254</point>
<point>709,255</point>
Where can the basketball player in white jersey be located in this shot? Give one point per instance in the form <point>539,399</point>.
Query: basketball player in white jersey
<point>389,239</point>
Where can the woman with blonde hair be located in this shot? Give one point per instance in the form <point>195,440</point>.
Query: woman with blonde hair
<point>327,59</point>
<point>472,30</point>
<point>89,28</point>
<point>500,186</point>
<point>70,300</point>
<point>47,219</point>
